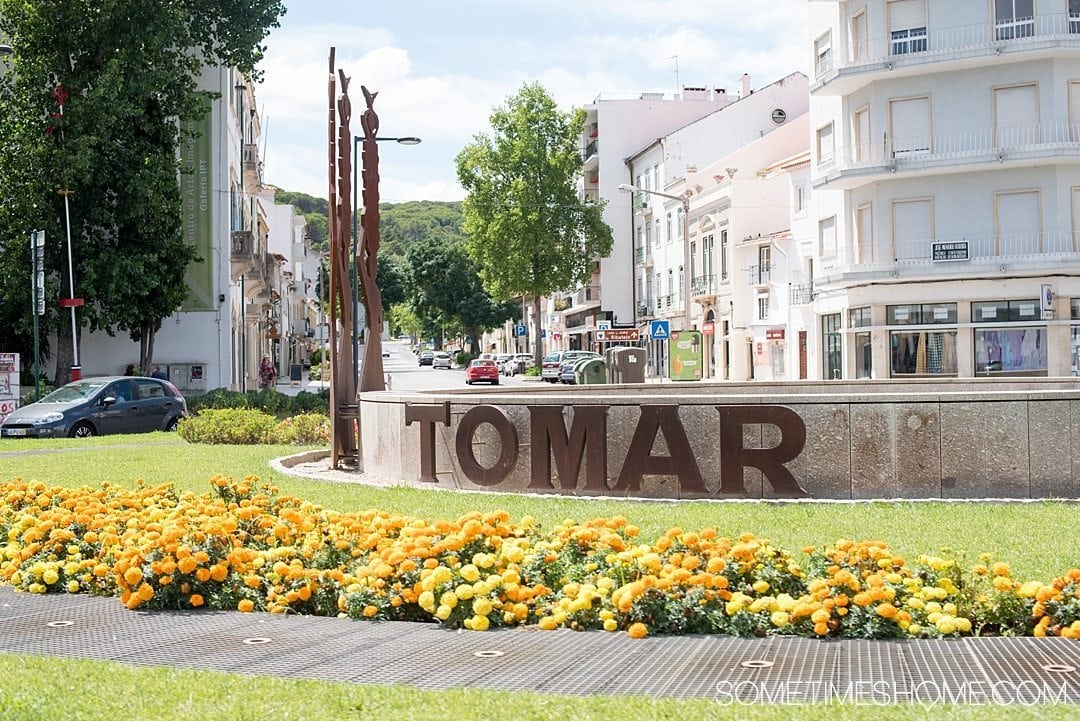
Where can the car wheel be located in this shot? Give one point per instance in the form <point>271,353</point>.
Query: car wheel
<point>172,425</point>
<point>468,382</point>
<point>82,430</point>
<point>495,382</point>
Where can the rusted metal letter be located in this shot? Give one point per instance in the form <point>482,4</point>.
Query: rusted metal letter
<point>587,438</point>
<point>508,439</point>
<point>427,416</point>
<point>770,461</point>
<point>639,461</point>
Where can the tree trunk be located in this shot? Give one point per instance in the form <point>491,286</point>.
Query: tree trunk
<point>538,343</point>
<point>64,352</point>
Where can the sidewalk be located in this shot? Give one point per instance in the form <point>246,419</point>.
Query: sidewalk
<point>724,669</point>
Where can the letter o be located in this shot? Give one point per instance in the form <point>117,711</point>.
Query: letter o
<point>508,439</point>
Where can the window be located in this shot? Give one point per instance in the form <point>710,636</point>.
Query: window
<point>861,127</point>
<point>921,314</point>
<point>693,263</point>
<point>909,121</point>
<point>800,198</point>
<point>648,233</point>
<point>923,353</point>
<point>707,257</point>
<point>825,146</point>
<point>1014,19</point>
<point>859,46</point>
<point>1006,311</point>
<point>1016,116</point>
<point>656,227</point>
<point>864,234</point>
<point>1009,350</point>
<point>1075,220</point>
<point>670,226</point>
<point>833,344</point>
<point>827,237</point>
<point>1074,105</point>
<point>913,228</point>
<point>723,255</point>
<point>1019,223</point>
<point>823,54</point>
<point>670,285</point>
<point>859,317</point>
<point>863,355</point>
<point>679,220</point>
<point>764,263</point>
<point>1074,17</point>
<point>682,286</point>
<point>763,307</point>
<point>907,26</point>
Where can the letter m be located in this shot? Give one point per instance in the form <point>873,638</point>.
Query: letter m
<point>587,439</point>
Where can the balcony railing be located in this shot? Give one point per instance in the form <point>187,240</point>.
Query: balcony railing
<point>646,310</point>
<point>923,43</point>
<point>802,294</point>
<point>959,145</point>
<point>703,285</point>
<point>643,255</point>
<point>1023,247</point>
<point>591,149</point>
<point>758,274</point>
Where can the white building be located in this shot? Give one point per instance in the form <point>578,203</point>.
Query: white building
<point>737,219</point>
<point>946,177</point>
<point>244,300</point>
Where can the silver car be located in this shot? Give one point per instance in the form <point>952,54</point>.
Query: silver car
<point>442,359</point>
<point>96,406</point>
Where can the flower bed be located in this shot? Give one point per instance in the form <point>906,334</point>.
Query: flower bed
<point>248,548</point>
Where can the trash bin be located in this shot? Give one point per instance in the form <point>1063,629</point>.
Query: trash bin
<point>629,365</point>
<point>590,371</point>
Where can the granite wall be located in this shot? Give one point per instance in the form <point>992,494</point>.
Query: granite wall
<point>864,440</point>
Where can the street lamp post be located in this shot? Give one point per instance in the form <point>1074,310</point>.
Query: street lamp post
<point>687,280</point>
<point>357,139</point>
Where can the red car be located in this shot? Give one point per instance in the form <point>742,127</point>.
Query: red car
<point>482,370</point>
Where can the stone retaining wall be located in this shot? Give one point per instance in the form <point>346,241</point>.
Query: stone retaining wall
<point>863,439</point>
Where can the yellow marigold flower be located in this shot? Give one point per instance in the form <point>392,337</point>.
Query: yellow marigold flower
<point>482,606</point>
<point>780,619</point>
<point>443,612</point>
<point>610,624</point>
<point>426,600</point>
<point>1002,583</point>
<point>760,586</point>
<point>73,586</point>
<point>145,592</point>
<point>133,575</point>
<point>637,630</point>
<point>1029,589</point>
<point>480,623</point>
<point>246,605</point>
<point>820,616</point>
<point>1000,569</point>
<point>470,573</point>
<point>548,623</point>
<point>370,611</point>
<point>946,625</point>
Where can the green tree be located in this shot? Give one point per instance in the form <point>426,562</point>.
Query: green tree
<point>528,231</point>
<point>115,146</point>
<point>446,291</point>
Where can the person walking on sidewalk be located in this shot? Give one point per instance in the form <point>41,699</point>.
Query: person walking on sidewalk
<point>267,373</point>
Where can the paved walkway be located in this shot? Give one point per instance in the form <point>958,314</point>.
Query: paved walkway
<point>1005,671</point>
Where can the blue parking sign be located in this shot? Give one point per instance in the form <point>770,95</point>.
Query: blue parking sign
<point>660,330</point>
<point>521,330</point>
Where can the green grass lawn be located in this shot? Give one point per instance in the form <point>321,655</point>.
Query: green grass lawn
<point>1038,539</point>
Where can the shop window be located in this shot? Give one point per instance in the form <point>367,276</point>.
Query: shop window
<point>1010,351</point>
<point>859,317</point>
<point>923,353</point>
<point>863,353</point>
<point>833,343</point>
<point>1006,311</point>
<point>921,314</point>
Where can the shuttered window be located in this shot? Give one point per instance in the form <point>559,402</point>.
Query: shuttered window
<point>1074,111</point>
<point>913,228</point>
<point>1019,224</point>
<point>864,241</point>
<point>907,26</point>
<point>1075,219</point>
<point>862,135</point>
<point>859,49</point>
<point>823,54</point>
<point>910,126</point>
<point>825,147</point>
<point>827,236</point>
<point>1016,116</point>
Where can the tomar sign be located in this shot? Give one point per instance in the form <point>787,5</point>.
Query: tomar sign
<point>587,442</point>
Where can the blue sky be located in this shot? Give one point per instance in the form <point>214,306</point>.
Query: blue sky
<point>441,67</point>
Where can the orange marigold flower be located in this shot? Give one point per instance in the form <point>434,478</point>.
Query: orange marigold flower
<point>245,606</point>
<point>637,630</point>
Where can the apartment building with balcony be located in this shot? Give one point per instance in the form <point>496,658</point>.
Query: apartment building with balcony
<point>734,217</point>
<point>946,178</point>
<point>616,126</point>
<point>241,303</point>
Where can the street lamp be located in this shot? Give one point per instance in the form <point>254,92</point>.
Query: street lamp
<point>687,280</point>
<point>357,139</point>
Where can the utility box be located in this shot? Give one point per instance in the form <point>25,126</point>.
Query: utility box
<point>590,371</point>
<point>188,376</point>
<point>627,365</point>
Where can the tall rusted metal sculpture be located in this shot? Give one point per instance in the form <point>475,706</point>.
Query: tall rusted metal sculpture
<point>343,437</point>
<point>371,371</point>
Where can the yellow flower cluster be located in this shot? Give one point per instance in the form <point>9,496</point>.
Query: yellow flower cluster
<point>246,547</point>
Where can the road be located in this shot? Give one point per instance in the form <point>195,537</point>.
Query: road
<point>406,375</point>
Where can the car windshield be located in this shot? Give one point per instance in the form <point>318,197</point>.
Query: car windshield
<point>73,392</point>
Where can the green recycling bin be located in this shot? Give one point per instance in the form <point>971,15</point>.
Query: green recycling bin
<point>590,371</point>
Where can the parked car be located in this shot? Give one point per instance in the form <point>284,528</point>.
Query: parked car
<point>549,366</point>
<point>516,363</point>
<point>482,369</point>
<point>441,360</point>
<point>97,406</point>
<point>427,357</point>
<point>500,359</point>
<point>570,359</point>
